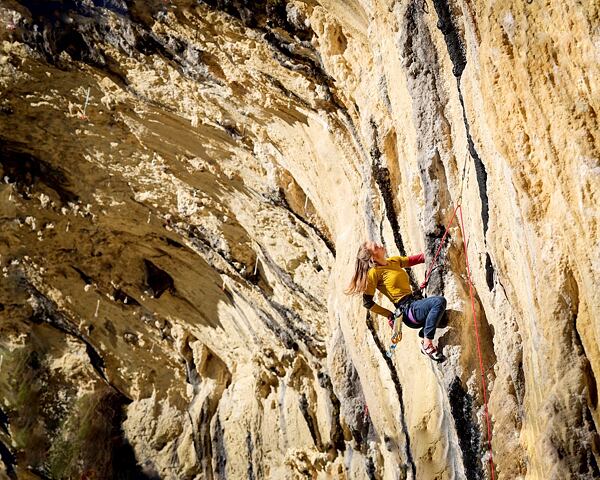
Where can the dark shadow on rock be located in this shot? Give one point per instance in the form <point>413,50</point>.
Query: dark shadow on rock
<point>450,319</point>
<point>157,280</point>
<point>467,428</point>
<point>27,170</point>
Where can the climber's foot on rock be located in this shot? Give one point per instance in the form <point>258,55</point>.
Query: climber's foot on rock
<point>431,351</point>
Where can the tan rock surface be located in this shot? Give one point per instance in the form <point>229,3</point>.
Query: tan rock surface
<point>185,185</point>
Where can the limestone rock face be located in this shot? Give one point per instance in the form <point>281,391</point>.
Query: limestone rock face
<point>184,188</point>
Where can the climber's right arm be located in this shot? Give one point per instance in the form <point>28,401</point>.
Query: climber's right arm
<point>370,305</point>
<point>368,294</point>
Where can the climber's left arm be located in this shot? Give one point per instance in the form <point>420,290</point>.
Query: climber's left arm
<point>410,261</point>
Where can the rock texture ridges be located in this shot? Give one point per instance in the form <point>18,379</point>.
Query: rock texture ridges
<point>184,187</point>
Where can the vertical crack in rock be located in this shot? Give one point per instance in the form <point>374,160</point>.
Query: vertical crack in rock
<point>202,449</point>
<point>398,387</point>
<point>371,470</point>
<point>489,272</point>
<point>382,224</point>
<point>572,292</point>
<point>516,388</point>
<point>469,437</point>
<point>382,177</point>
<point>456,51</point>
<point>435,284</point>
<point>381,174</point>
<point>420,60</point>
<point>461,402</point>
<point>588,464</point>
<point>9,461</point>
<point>3,421</point>
<point>250,450</point>
<point>434,179</point>
<point>359,424</point>
<point>336,434</point>
<point>219,453</point>
<point>213,368</point>
<point>310,421</point>
<point>480,171</point>
<point>587,445</point>
<point>454,43</point>
<point>203,437</point>
<point>349,388</point>
<point>196,437</point>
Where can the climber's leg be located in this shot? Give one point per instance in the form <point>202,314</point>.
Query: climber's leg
<point>429,311</point>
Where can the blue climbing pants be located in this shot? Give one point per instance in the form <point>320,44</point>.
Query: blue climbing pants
<point>425,314</point>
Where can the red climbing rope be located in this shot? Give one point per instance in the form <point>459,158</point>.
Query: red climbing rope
<point>487,416</point>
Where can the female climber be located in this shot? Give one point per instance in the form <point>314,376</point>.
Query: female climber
<point>374,271</point>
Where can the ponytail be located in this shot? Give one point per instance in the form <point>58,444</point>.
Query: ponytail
<point>364,262</point>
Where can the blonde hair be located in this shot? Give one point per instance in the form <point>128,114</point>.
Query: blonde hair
<point>364,261</point>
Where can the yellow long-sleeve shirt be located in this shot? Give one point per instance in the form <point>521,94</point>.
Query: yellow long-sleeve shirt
<point>391,280</point>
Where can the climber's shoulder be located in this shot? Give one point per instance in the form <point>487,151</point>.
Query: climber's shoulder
<point>398,261</point>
